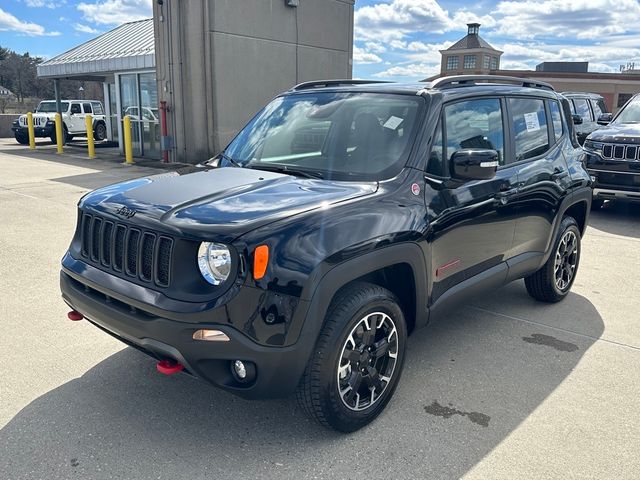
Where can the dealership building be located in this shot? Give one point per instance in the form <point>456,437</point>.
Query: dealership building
<point>206,66</point>
<point>474,55</point>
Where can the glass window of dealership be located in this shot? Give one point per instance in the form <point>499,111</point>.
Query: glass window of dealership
<point>135,94</point>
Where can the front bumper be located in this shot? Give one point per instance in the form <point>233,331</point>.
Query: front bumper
<point>278,369</point>
<point>610,184</point>
<point>46,131</point>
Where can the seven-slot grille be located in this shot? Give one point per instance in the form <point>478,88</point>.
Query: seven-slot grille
<point>129,250</point>
<point>614,151</point>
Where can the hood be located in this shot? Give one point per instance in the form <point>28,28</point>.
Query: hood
<point>617,133</point>
<point>225,202</point>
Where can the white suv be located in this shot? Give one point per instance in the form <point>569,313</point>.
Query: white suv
<point>73,120</point>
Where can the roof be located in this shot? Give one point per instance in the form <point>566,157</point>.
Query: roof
<point>471,41</point>
<point>5,89</point>
<point>127,47</point>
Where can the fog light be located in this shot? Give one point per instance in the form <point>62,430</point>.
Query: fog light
<point>240,369</point>
<point>243,371</point>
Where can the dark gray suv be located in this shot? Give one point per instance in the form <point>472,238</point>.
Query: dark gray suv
<point>590,107</point>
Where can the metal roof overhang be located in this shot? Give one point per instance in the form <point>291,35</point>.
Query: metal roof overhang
<point>125,48</point>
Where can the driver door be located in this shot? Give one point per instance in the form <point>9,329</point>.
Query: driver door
<point>472,223</point>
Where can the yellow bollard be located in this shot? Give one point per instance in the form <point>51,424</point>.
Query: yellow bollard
<point>88,121</point>
<point>59,133</point>
<point>128,147</point>
<point>32,133</point>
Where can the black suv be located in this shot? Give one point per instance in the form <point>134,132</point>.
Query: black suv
<point>345,215</point>
<point>613,156</point>
<point>588,110</point>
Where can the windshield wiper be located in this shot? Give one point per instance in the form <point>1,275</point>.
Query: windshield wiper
<point>288,169</point>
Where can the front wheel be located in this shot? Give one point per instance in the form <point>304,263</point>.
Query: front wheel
<point>21,138</point>
<point>553,281</point>
<point>358,359</point>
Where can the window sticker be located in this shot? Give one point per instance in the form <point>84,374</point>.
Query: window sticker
<point>393,122</point>
<point>531,120</point>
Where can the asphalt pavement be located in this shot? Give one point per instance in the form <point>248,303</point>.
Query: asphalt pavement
<point>503,388</point>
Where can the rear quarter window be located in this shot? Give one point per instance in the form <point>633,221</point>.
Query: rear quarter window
<point>556,119</point>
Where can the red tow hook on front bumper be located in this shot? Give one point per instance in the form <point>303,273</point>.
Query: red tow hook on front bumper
<point>75,316</point>
<point>169,367</point>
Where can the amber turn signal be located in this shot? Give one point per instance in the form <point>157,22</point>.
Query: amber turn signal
<point>260,261</point>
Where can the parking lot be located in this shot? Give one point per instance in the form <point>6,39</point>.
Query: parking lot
<point>502,388</point>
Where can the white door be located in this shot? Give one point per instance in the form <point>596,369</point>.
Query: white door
<point>75,121</point>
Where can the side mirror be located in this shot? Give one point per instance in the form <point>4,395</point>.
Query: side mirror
<point>605,119</point>
<point>474,164</point>
<point>577,119</point>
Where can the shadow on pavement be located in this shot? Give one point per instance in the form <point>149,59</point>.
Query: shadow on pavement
<point>469,381</point>
<point>617,217</point>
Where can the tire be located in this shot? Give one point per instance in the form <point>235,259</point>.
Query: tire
<point>100,132</point>
<point>66,137</point>
<point>326,389</point>
<point>22,139</point>
<point>596,203</point>
<point>544,285</point>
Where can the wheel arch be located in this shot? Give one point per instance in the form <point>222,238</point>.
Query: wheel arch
<point>400,268</point>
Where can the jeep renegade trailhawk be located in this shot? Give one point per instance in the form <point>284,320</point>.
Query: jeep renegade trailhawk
<point>344,215</point>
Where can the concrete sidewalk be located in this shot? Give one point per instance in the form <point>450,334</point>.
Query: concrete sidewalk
<point>506,388</point>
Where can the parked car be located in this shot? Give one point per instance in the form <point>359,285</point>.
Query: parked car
<point>587,109</point>
<point>73,120</point>
<point>613,155</point>
<point>342,217</point>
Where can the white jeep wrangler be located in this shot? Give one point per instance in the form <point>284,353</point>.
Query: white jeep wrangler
<point>73,120</point>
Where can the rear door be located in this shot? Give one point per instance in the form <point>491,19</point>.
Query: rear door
<point>472,224</point>
<point>539,135</point>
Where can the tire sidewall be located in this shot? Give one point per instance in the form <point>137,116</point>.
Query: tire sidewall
<point>100,132</point>
<point>568,224</point>
<point>346,419</point>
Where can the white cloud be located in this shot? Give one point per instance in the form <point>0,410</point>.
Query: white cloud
<point>9,22</point>
<point>85,28</point>
<point>394,20</point>
<point>462,17</point>
<point>115,12</point>
<point>581,19</point>
<point>375,47</point>
<point>43,3</point>
<point>416,71</point>
<point>361,56</point>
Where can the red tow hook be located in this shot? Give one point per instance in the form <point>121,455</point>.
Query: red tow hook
<point>169,367</point>
<point>75,316</point>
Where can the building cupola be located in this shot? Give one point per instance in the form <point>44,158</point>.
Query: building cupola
<point>474,28</point>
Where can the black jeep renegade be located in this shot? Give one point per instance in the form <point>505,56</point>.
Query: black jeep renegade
<point>345,215</point>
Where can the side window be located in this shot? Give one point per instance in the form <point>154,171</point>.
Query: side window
<point>596,106</point>
<point>435,164</point>
<point>529,127</point>
<point>97,108</point>
<point>75,108</point>
<point>474,124</point>
<point>572,106</point>
<point>87,107</point>
<point>556,118</point>
<point>582,108</point>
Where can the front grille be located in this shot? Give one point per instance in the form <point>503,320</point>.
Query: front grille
<point>127,250</point>
<point>613,151</point>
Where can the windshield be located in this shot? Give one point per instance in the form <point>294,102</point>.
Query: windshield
<point>344,136</point>
<point>50,107</point>
<point>630,113</point>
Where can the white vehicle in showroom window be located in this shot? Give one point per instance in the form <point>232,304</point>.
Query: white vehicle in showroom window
<point>73,121</point>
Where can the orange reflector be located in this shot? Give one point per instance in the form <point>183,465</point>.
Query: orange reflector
<point>260,261</point>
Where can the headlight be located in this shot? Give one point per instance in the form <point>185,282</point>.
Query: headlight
<point>592,146</point>
<point>214,260</point>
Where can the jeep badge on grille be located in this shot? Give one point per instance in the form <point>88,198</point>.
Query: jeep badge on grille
<point>125,212</point>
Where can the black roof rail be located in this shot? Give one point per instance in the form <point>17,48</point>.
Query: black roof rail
<point>456,80</point>
<point>333,83</point>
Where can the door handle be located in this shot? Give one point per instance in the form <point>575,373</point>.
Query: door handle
<point>559,173</point>
<point>503,195</point>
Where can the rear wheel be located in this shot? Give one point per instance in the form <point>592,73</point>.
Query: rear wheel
<point>21,138</point>
<point>358,359</point>
<point>100,132</point>
<point>553,281</point>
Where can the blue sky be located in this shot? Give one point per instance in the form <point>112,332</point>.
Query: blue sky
<point>394,39</point>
